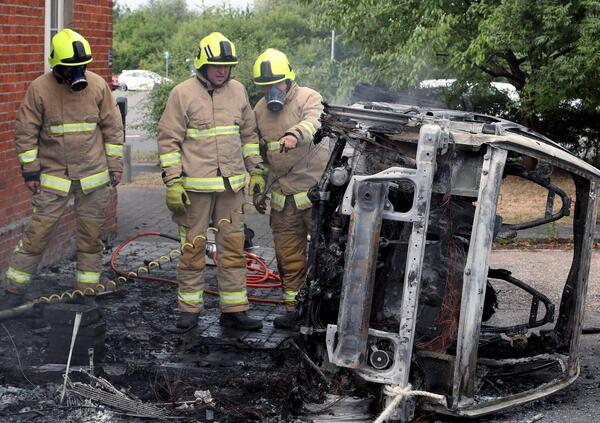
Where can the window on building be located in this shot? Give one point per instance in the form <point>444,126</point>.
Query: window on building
<point>59,15</point>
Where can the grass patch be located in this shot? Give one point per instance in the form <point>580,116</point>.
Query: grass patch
<point>144,156</point>
<point>148,179</point>
<point>521,200</point>
<point>537,244</point>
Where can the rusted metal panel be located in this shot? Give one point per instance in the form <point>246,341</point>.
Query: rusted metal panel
<point>359,274</point>
<point>496,405</point>
<point>589,207</point>
<point>475,277</point>
<point>430,139</point>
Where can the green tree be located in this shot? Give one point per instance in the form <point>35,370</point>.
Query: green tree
<point>548,49</point>
<point>142,35</point>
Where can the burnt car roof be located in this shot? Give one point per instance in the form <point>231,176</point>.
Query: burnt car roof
<point>468,129</point>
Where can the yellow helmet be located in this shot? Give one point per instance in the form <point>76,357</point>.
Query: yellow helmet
<point>69,49</point>
<point>215,49</point>
<point>272,67</point>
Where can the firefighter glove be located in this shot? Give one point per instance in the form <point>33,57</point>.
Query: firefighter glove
<point>31,176</point>
<point>258,181</point>
<point>260,202</point>
<point>177,198</point>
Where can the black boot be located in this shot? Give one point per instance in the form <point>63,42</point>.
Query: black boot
<point>290,320</point>
<point>11,300</point>
<point>239,320</point>
<point>187,320</point>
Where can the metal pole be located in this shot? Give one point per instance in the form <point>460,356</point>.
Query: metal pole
<point>333,45</point>
<point>127,164</point>
<point>122,103</point>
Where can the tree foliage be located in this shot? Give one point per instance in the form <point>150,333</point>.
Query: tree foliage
<point>548,49</point>
<point>142,35</point>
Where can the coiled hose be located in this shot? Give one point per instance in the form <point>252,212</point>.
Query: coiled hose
<point>259,276</point>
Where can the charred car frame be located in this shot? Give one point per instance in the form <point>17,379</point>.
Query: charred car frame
<point>399,285</point>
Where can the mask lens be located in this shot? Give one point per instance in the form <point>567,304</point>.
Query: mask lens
<point>275,98</point>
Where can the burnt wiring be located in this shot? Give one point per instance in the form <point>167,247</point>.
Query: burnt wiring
<point>17,354</point>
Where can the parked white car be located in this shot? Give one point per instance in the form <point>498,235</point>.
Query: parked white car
<point>140,80</point>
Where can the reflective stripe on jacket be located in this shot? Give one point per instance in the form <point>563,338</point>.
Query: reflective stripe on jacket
<point>69,135</point>
<point>63,185</point>
<point>300,199</point>
<point>299,169</point>
<point>208,138</point>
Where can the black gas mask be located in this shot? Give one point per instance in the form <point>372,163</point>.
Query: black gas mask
<point>74,76</point>
<point>275,98</point>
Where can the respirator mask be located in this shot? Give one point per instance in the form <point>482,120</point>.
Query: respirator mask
<point>275,98</point>
<point>74,76</point>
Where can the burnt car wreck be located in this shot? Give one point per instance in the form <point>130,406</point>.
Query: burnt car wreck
<point>400,292</point>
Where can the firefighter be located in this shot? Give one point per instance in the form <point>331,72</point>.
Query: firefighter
<point>207,141</point>
<point>69,142</point>
<point>287,118</point>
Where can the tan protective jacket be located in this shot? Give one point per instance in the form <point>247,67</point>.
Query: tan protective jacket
<point>294,172</point>
<point>69,135</point>
<point>205,137</point>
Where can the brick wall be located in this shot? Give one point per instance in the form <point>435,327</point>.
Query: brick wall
<point>93,20</point>
<point>21,61</point>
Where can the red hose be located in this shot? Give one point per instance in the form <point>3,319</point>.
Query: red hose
<point>256,279</point>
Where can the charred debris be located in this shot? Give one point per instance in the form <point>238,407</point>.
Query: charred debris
<point>399,314</point>
<point>399,289</point>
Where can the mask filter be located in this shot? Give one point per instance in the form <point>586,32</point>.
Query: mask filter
<point>275,98</point>
<point>77,78</point>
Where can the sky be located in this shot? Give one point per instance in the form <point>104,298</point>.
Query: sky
<point>194,4</point>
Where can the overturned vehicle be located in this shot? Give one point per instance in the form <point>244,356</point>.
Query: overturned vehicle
<point>400,294</point>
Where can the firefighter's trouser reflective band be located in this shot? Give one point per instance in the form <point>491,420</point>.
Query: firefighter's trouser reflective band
<point>249,150</point>
<point>88,277</point>
<point>213,132</point>
<point>234,297</point>
<point>17,276</point>
<point>69,128</point>
<point>190,297</point>
<point>301,199</point>
<point>213,184</point>
<point>27,156</point>
<point>113,150</point>
<point>170,159</point>
<point>64,185</point>
<point>289,296</point>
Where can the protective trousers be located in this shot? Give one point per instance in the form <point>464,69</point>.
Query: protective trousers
<point>290,228</point>
<point>224,210</point>
<point>90,210</point>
